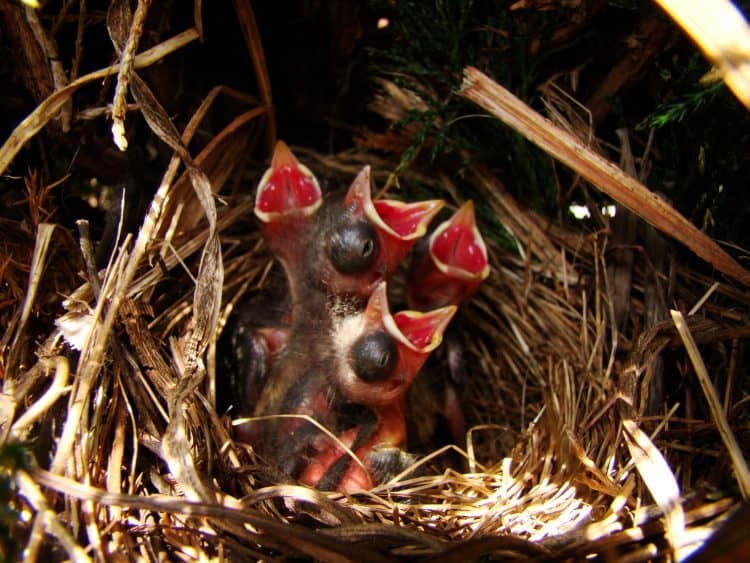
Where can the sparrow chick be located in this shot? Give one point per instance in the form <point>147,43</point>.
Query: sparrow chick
<point>351,243</point>
<point>448,269</point>
<point>378,356</point>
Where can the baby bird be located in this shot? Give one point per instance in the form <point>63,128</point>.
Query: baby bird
<point>452,267</point>
<point>359,242</point>
<point>378,355</point>
<point>353,244</point>
<point>447,270</point>
<point>286,203</point>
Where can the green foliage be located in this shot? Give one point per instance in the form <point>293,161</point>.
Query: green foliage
<point>680,108</point>
<point>700,157</point>
<point>432,38</point>
<point>432,43</point>
<point>702,139</point>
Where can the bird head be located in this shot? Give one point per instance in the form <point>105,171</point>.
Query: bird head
<point>381,353</point>
<point>288,190</point>
<point>366,239</point>
<point>454,265</point>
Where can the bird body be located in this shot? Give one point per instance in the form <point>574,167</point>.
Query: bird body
<point>447,269</point>
<point>378,357</point>
<point>332,355</point>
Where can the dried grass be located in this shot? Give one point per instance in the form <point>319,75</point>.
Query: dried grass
<point>574,451</point>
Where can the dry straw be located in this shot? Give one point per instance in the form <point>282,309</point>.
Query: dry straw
<point>575,451</point>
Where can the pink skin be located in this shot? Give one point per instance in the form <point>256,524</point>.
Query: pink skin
<point>356,477</point>
<point>391,432</point>
<point>453,267</point>
<point>416,335</point>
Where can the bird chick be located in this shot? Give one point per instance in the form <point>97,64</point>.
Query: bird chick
<point>359,241</point>
<point>378,357</point>
<point>454,263</point>
<point>448,269</point>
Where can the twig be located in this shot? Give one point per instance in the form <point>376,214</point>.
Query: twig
<point>30,490</point>
<point>47,110</point>
<point>119,103</point>
<point>43,404</point>
<point>250,32</point>
<point>298,537</point>
<point>735,453</point>
<point>87,251</point>
<point>482,90</point>
<point>709,292</point>
<point>89,365</point>
<point>41,246</point>
<point>659,479</point>
<point>58,73</point>
<point>80,27</point>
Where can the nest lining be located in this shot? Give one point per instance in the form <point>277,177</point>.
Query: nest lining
<point>547,456</point>
<point>562,459</point>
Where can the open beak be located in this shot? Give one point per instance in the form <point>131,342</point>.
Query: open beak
<point>399,225</point>
<point>410,337</point>
<point>423,332</point>
<point>413,331</point>
<point>286,201</point>
<point>287,190</point>
<point>455,264</point>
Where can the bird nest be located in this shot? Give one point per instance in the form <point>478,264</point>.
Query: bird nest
<point>577,446</point>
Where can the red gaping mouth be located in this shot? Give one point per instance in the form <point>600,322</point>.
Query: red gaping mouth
<point>457,247</point>
<point>287,190</point>
<point>403,221</point>
<point>416,331</point>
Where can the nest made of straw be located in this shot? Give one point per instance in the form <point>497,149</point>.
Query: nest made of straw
<point>112,446</point>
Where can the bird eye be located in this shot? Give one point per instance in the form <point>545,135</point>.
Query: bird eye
<point>373,356</point>
<point>353,247</point>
